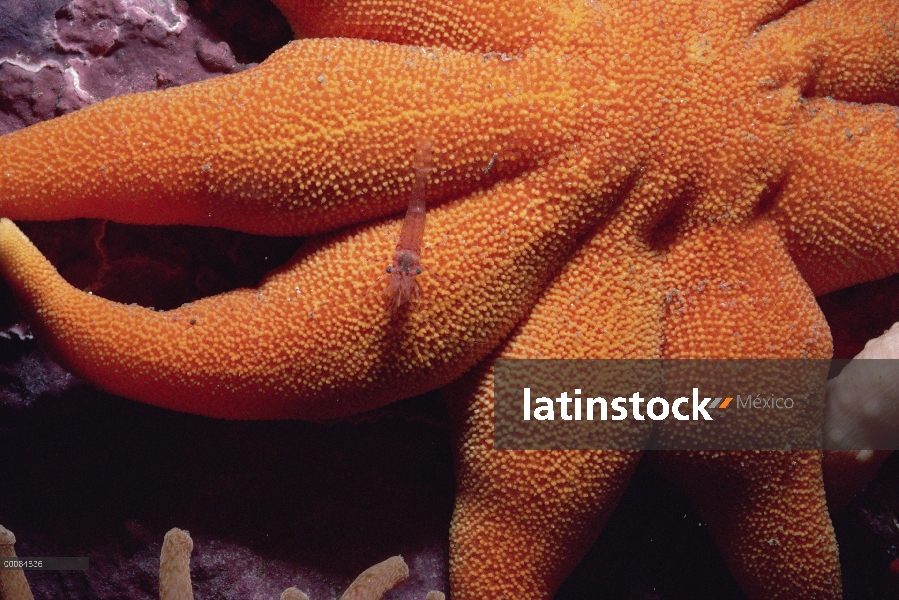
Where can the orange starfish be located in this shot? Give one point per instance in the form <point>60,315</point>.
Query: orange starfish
<point>617,180</point>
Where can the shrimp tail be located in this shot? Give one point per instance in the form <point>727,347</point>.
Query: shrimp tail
<point>414,224</point>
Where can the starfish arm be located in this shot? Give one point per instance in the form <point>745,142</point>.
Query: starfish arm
<point>845,49</point>
<point>766,510</point>
<point>504,26</point>
<point>608,302</point>
<point>523,519</point>
<point>750,15</point>
<point>836,209</point>
<point>741,279</point>
<point>318,136</point>
<point>315,339</point>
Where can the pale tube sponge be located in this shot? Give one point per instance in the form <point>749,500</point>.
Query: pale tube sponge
<point>863,400</point>
<point>13,585</point>
<point>861,418</point>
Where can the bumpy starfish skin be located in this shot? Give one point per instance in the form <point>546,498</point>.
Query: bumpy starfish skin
<point>851,240</point>
<point>655,169</point>
<point>316,137</point>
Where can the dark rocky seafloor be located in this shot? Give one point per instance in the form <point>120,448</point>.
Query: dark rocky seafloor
<point>279,504</point>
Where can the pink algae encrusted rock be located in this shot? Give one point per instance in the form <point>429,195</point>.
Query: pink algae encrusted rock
<point>96,49</point>
<point>31,92</point>
<point>138,45</point>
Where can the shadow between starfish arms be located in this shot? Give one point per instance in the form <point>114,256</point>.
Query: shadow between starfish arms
<point>658,176</point>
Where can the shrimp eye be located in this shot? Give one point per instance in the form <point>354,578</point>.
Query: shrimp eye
<point>390,269</point>
<point>418,271</point>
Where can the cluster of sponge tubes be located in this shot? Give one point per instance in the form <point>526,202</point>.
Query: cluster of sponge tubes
<point>174,574</point>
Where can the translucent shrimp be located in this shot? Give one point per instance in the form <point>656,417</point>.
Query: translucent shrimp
<point>401,284</point>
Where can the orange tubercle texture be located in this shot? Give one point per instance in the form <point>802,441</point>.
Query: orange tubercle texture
<point>612,180</point>
<point>313,343</point>
<point>273,143</point>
